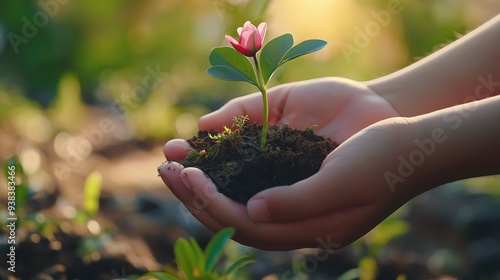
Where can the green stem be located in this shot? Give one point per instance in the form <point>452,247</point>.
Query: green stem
<point>263,90</point>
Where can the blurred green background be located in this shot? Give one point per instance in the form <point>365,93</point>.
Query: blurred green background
<point>99,52</point>
<point>101,85</point>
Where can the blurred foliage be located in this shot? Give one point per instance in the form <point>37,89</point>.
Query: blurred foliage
<point>136,70</point>
<point>195,264</point>
<point>145,60</point>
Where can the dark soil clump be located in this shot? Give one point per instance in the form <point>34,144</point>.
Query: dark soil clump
<point>240,168</point>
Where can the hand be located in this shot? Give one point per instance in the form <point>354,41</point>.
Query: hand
<point>338,107</point>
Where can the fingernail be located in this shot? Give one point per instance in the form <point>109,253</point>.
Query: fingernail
<point>161,172</point>
<point>169,171</point>
<point>159,168</point>
<point>258,211</point>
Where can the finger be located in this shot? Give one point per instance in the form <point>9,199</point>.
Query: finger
<point>176,149</point>
<point>207,195</point>
<point>250,105</point>
<point>171,174</point>
<point>229,213</point>
<point>340,227</point>
<point>329,232</point>
<point>321,193</point>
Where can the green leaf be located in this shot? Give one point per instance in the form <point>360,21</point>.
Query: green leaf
<point>159,275</point>
<point>226,56</point>
<point>272,54</point>
<point>13,171</point>
<point>367,268</point>
<point>185,257</point>
<point>228,73</point>
<point>22,194</point>
<point>13,163</point>
<point>198,255</point>
<point>303,48</point>
<point>92,192</point>
<point>351,274</point>
<point>215,247</point>
<point>238,263</point>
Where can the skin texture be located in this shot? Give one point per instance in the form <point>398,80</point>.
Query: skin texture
<point>408,116</point>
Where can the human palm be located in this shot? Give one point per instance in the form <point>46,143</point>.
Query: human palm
<point>337,108</point>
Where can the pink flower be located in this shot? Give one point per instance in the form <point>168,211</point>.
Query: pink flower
<point>250,38</point>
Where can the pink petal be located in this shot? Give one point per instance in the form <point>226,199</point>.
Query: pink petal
<point>242,50</point>
<point>245,36</point>
<point>257,42</point>
<point>262,31</point>
<point>231,40</point>
<point>237,46</point>
<point>247,39</point>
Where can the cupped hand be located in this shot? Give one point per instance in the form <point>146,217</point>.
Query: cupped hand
<point>336,107</point>
<point>345,199</point>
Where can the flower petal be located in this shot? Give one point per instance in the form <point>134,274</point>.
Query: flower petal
<point>262,31</point>
<point>247,23</point>
<point>231,40</point>
<point>247,40</point>
<point>242,50</point>
<point>250,38</point>
<point>236,45</point>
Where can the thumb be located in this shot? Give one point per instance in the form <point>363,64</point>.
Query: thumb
<point>302,200</point>
<point>250,105</point>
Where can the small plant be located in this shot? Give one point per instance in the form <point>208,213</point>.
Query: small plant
<point>238,122</point>
<point>229,136</point>
<point>91,195</point>
<point>194,264</point>
<point>232,65</point>
<point>18,190</point>
<point>245,159</point>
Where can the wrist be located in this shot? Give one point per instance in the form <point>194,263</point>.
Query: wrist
<point>457,143</point>
<point>467,67</point>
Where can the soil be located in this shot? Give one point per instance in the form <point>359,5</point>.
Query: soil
<point>239,167</point>
<point>58,257</point>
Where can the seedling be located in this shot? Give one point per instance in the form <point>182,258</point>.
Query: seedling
<point>194,264</point>
<point>233,64</point>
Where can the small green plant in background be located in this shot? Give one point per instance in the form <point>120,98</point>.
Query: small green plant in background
<point>16,178</point>
<point>91,195</point>
<point>27,220</point>
<point>195,264</point>
<point>85,216</point>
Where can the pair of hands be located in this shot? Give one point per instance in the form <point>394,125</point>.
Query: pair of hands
<point>343,201</point>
